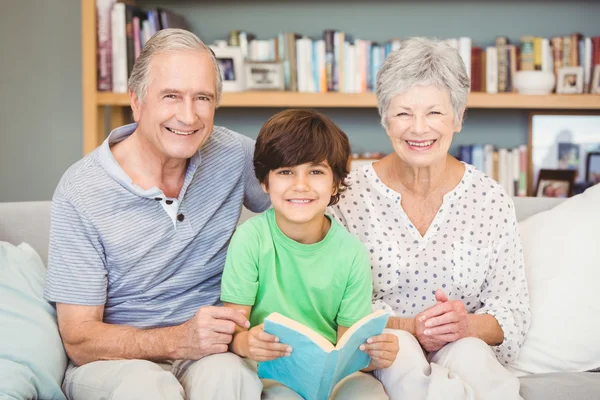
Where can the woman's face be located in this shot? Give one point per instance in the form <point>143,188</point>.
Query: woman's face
<point>421,125</point>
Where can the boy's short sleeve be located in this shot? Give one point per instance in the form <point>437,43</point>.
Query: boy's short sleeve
<point>239,283</point>
<point>356,302</point>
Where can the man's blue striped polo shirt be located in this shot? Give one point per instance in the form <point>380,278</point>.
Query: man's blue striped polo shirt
<point>151,261</point>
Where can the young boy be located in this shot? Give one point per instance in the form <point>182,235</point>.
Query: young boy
<point>293,259</point>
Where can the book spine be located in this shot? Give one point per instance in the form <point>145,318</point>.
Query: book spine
<point>501,43</point>
<point>595,50</point>
<point>492,69</point>
<point>587,64</point>
<point>119,49</point>
<point>129,37</point>
<point>522,191</point>
<point>104,53</point>
<point>368,63</point>
<point>575,55</point>
<point>137,43</point>
<point>567,49</point>
<point>557,53</point>
<point>527,53</point>
<point>328,36</point>
<point>476,69</point>
<point>547,59</point>
<point>464,49</point>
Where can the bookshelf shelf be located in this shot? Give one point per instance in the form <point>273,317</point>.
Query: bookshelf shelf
<point>367,100</point>
<point>103,111</point>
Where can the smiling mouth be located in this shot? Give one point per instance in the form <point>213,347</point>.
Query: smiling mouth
<point>182,133</point>
<point>299,201</point>
<point>421,144</point>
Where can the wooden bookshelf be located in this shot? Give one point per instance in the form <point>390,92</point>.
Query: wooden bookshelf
<point>103,111</point>
<point>367,100</point>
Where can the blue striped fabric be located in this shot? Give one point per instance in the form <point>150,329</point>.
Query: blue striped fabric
<point>113,244</point>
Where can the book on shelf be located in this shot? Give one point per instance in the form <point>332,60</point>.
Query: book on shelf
<point>315,365</point>
<point>506,166</point>
<point>337,61</point>
<point>122,31</point>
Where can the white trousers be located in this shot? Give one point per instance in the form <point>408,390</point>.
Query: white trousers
<point>217,377</point>
<point>464,370</point>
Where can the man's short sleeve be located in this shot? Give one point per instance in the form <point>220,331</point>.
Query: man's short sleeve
<point>76,262</point>
<point>255,199</point>
<point>239,284</point>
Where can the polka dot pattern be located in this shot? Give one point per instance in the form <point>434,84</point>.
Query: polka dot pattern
<point>472,250</point>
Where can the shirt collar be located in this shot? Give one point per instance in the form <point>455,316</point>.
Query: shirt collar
<point>114,170</point>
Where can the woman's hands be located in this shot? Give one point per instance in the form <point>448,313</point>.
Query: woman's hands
<point>382,349</point>
<point>258,345</point>
<point>443,323</point>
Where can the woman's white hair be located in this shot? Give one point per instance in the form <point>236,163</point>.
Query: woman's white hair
<point>422,62</point>
<point>163,41</point>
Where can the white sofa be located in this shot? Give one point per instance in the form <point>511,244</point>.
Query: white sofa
<point>29,222</point>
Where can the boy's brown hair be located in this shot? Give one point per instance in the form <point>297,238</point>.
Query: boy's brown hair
<point>297,136</point>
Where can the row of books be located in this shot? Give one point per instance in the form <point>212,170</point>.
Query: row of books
<point>335,62</point>
<point>339,63</point>
<point>494,67</point>
<point>506,166</point>
<point>122,31</point>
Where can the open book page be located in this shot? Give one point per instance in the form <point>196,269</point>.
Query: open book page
<point>350,358</point>
<point>276,318</point>
<point>304,369</point>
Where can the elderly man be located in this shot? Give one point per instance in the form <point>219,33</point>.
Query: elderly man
<point>140,229</point>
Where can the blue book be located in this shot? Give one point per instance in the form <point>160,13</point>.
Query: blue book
<point>315,365</point>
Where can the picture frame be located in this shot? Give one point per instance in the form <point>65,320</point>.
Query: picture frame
<point>555,183</point>
<point>592,176</point>
<point>231,66</point>
<point>595,88</point>
<point>570,80</point>
<point>561,140</point>
<point>263,75</point>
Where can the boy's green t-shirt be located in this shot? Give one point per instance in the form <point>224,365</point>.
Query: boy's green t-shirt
<point>320,285</point>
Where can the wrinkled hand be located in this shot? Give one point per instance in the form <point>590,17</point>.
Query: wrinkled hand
<point>445,322</point>
<point>262,346</point>
<point>382,349</point>
<point>209,332</point>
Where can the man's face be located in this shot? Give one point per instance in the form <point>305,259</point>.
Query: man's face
<point>177,115</point>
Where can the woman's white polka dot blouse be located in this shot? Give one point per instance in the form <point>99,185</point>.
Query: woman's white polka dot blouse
<point>472,250</point>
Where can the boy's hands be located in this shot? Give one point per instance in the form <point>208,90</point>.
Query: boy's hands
<point>382,349</point>
<point>261,346</point>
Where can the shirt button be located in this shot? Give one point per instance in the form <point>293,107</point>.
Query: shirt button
<point>169,202</point>
<point>158,198</point>
<point>180,217</point>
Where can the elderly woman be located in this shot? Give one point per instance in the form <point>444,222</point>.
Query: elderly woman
<point>443,239</point>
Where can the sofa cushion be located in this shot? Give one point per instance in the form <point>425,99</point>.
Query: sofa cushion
<point>563,270</point>
<point>560,386</point>
<point>32,358</point>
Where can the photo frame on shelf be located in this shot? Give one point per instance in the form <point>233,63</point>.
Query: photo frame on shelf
<point>562,141</point>
<point>592,173</point>
<point>231,63</point>
<point>555,183</point>
<point>570,80</point>
<point>595,89</point>
<point>262,75</point>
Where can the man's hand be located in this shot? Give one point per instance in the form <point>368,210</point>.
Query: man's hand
<point>443,323</point>
<point>382,349</point>
<point>259,345</point>
<point>209,332</point>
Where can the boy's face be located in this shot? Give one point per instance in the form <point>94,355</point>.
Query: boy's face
<point>300,194</point>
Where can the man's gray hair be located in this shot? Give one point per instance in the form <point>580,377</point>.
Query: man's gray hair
<point>163,41</point>
<point>422,61</point>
